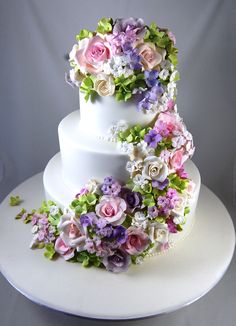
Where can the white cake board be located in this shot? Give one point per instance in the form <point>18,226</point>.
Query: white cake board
<point>160,285</point>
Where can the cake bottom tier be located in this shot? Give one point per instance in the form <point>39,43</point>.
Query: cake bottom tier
<point>59,192</point>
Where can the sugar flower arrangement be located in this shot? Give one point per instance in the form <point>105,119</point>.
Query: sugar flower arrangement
<point>112,225</point>
<point>127,59</point>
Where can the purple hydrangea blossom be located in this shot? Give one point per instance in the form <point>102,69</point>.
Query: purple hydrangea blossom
<point>118,262</point>
<point>88,219</point>
<point>171,226</point>
<point>133,199</point>
<point>150,97</point>
<point>160,185</point>
<point>132,55</point>
<point>152,138</point>
<point>182,173</point>
<point>105,231</point>
<point>153,211</point>
<point>110,187</point>
<point>151,77</point>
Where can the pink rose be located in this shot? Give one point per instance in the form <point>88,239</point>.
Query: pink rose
<point>111,209</point>
<point>136,242</point>
<point>172,122</point>
<point>65,251</point>
<point>151,56</point>
<point>71,232</point>
<point>91,54</point>
<point>176,159</point>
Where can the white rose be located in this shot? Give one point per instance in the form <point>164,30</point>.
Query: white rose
<point>92,186</point>
<point>158,233</point>
<point>76,77</point>
<point>155,169</point>
<point>180,205</point>
<point>104,85</point>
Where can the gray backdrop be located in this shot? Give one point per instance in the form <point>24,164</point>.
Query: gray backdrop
<point>36,35</point>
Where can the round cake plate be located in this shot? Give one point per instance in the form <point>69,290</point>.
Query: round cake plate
<point>161,284</point>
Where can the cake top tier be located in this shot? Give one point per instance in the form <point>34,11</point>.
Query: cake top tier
<point>126,59</point>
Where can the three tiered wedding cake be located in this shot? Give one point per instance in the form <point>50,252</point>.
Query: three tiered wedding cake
<point>124,156</point>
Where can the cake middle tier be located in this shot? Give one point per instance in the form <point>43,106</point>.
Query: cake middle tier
<point>86,157</point>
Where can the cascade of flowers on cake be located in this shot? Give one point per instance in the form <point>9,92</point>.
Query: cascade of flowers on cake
<point>112,224</point>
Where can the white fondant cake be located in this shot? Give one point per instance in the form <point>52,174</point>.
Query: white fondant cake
<point>123,174</point>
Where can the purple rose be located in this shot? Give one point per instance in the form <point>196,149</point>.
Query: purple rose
<point>133,199</point>
<point>129,24</point>
<point>118,262</point>
<point>119,235</point>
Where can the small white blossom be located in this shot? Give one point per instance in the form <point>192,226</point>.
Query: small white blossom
<point>180,205</point>
<point>92,186</point>
<point>164,74</point>
<point>140,220</point>
<point>35,229</point>
<point>179,219</point>
<point>165,64</point>
<point>172,90</point>
<point>126,147</point>
<point>139,90</point>
<point>34,241</point>
<point>140,180</point>
<point>114,130</point>
<point>134,166</point>
<point>54,210</point>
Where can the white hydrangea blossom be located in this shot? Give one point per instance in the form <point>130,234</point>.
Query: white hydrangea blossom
<point>165,64</point>
<point>140,220</point>
<point>179,219</point>
<point>139,180</point>
<point>114,130</point>
<point>117,66</point>
<point>126,147</point>
<point>172,90</point>
<point>164,74</point>
<point>54,210</point>
<point>134,166</point>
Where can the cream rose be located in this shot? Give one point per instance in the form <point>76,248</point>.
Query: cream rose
<point>104,85</point>
<point>151,56</point>
<point>155,169</point>
<point>158,233</point>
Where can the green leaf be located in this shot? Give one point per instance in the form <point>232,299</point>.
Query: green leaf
<point>91,199</point>
<point>19,215</point>
<point>87,83</point>
<point>84,33</point>
<point>186,210</point>
<point>104,25</point>
<point>49,251</point>
<point>173,58</point>
<point>149,200</point>
<point>15,200</point>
